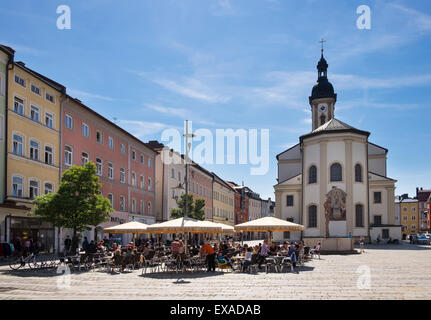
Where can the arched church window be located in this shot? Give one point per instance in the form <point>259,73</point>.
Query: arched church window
<point>358,173</point>
<point>336,172</point>
<point>312,178</point>
<point>322,119</point>
<point>312,216</point>
<point>359,215</point>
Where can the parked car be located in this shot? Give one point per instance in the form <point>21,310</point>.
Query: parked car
<point>421,239</point>
<point>427,235</point>
<point>413,238</point>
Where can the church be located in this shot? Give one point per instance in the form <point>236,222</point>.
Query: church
<point>334,181</point>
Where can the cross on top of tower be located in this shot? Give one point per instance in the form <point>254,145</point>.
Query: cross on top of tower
<point>321,42</point>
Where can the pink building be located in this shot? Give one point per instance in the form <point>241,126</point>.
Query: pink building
<point>201,187</point>
<point>125,164</point>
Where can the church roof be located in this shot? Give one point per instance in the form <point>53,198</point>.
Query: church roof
<point>334,126</point>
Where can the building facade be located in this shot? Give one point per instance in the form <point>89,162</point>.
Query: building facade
<point>422,196</point>
<point>201,187</point>
<point>125,165</point>
<point>223,201</point>
<point>32,152</point>
<point>409,216</point>
<point>334,182</point>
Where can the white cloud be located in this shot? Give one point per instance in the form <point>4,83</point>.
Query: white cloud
<point>418,19</point>
<point>192,88</point>
<point>143,129</point>
<point>79,93</point>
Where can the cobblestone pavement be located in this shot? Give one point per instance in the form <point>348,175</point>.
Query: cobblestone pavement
<point>397,272</point>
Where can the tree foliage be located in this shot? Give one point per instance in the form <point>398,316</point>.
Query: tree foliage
<point>195,208</point>
<point>78,202</point>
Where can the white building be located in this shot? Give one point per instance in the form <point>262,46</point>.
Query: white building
<point>334,182</point>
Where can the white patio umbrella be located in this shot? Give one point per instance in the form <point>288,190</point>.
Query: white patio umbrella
<point>269,224</point>
<point>132,227</point>
<point>185,225</point>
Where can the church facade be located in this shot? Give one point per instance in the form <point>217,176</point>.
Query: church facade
<point>334,181</point>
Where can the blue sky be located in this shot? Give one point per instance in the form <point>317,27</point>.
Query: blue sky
<point>241,64</point>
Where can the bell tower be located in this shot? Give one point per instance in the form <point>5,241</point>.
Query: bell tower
<point>322,99</point>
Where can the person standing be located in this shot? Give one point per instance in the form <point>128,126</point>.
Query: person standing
<point>210,259</point>
<point>67,244</point>
<point>85,243</point>
<point>361,244</point>
<point>263,253</point>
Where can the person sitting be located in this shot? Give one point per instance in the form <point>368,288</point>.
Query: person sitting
<point>177,247</point>
<point>91,248</point>
<point>222,261</point>
<point>247,261</point>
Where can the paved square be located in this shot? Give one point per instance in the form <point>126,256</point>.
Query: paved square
<point>397,272</point>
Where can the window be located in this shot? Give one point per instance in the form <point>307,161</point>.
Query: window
<point>123,149</point>
<point>149,163</point>
<point>35,89</point>
<point>142,159</point>
<point>122,175</point>
<point>33,189</point>
<point>34,113</point>
<point>134,205</point>
<point>68,122</point>
<point>312,216</point>
<point>336,172</point>
<point>377,197</point>
<point>142,206</point>
<point>34,150</point>
<point>385,233</point>
<point>20,80</point>
<point>133,179</point>
<point>122,203</point>
<point>179,176</point>
<point>133,155</point>
<point>17,187</point>
<point>173,173</point>
<point>142,182</point>
<point>48,188</point>
<point>358,173</point>
<point>17,145</point>
<point>110,170</point>
<point>49,120</point>
<point>2,84</point>
<point>111,143</point>
<point>289,201</point>
<point>149,184</point>
<point>85,130</point>
<point>413,218</point>
<point>68,155</point>
<point>49,155</point>
<point>359,215</point>
<point>99,137</point>
<point>84,158</point>
<point>377,220</point>
<point>18,106</point>
<point>150,209</point>
<point>111,199</point>
<point>50,97</point>
<point>1,128</point>
<point>99,166</point>
<point>312,178</point>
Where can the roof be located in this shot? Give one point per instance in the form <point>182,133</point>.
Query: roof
<point>423,195</point>
<point>379,175</point>
<point>111,123</point>
<point>286,151</point>
<point>8,50</point>
<point>334,126</point>
<point>409,200</point>
<point>57,86</point>
<point>221,181</point>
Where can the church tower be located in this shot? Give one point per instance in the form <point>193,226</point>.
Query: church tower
<point>323,98</point>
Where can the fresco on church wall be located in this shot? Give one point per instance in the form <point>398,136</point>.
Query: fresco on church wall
<point>335,207</point>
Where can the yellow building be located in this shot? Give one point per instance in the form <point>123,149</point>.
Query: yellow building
<point>33,151</point>
<point>409,209</point>
<point>223,201</point>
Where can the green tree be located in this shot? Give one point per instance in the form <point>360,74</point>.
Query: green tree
<point>195,208</point>
<point>77,204</point>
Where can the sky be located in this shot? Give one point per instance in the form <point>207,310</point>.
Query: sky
<point>241,64</point>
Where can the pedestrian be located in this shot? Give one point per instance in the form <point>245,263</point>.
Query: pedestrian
<point>292,254</point>
<point>361,244</point>
<point>67,244</point>
<point>210,258</point>
<point>263,253</point>
<point>85,243</point>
